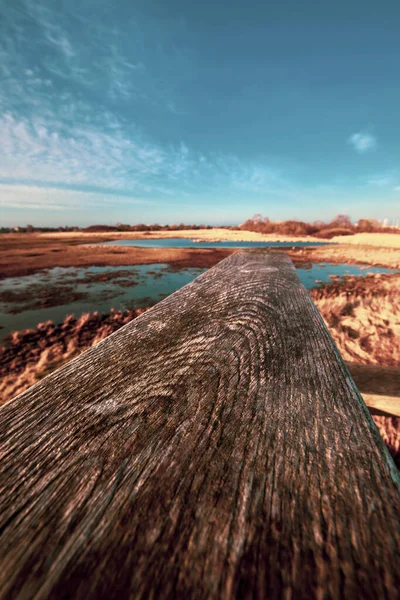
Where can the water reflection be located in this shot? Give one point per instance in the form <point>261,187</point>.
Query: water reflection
<point>55,293</point>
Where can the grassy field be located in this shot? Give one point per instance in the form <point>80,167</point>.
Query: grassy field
<point>363,316</point>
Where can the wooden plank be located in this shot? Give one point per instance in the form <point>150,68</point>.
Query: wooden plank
<point>215,447</point>
<point>382,405</point>
<point>374,379</point>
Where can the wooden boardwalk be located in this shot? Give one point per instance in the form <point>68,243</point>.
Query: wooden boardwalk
<point>215,447</point>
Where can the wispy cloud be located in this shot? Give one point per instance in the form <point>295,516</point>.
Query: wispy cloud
<point>54,198</point>
<point>95,61</point>
<point>362,142</point>
<point>68,120</point>
<point>385,179</point>
<point>53,149</point>
<point>54,125</point>
<point>62,42</point>
<point>382,181</point>
<point>254,177</point>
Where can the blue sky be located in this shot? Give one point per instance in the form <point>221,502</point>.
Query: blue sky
<point>201,112</point>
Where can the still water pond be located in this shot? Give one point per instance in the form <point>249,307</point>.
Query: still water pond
<point>55,293</point>
<point>190,243</point>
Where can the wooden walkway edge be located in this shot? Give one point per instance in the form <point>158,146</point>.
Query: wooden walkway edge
<point>214,447</point>
<point>387,406</point>
<point>379,387</point>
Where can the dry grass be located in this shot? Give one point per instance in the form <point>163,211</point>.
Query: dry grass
<point>363,316</point>
<point>377,240</point>
<point>350,254</point>
<point>380,240</point>
<point>32,354</point>
<point>210,235</point>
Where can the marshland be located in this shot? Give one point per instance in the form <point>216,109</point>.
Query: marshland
<point>61,293</point>
<point>185,412</point>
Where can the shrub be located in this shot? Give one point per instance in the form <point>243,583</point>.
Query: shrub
<point>330,233</point>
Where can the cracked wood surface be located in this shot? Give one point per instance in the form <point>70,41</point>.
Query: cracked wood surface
<point>214,447</point>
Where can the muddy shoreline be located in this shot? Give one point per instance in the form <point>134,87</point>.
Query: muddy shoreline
<point>22,254</point>
<point>44,295</point>
<point>26,254</point>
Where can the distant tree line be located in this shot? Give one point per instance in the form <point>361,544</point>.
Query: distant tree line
<point>143,227</point>
<point>104,228</point>
<point>340,225</point>
<point>32,229</point>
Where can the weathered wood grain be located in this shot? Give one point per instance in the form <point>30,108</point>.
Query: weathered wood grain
<point>215,447</point>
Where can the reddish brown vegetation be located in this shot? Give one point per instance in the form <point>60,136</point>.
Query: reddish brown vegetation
<point>328,234</point>
<point>99,228</point>
<point>24,254</point>
<point>363,316</point>
<point>31,354</point>
<point>143,227</point>
<point>340,225</point>
<point>359,253</point>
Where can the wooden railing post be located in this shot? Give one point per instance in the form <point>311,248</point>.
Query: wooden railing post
<point>214,447</point>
